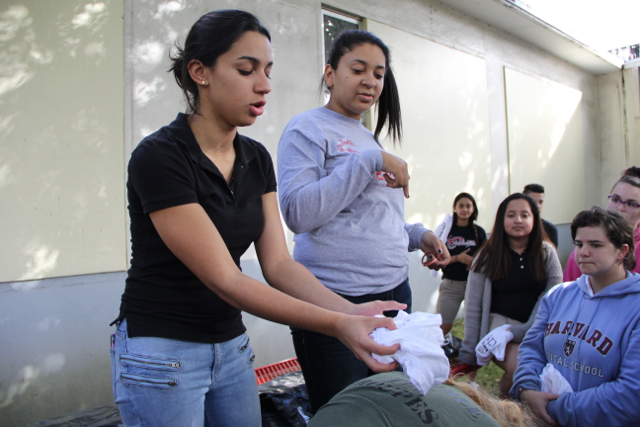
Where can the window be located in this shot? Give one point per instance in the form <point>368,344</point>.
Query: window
<point>333,24</point>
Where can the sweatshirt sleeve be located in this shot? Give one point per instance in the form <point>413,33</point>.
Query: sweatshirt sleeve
<point>571,271</point>
<point>415,232</point>
<point>309,195</point>
<point>472,316</point>
<point>554,277</point>
<point>531,356</point>
<point>611,404</point>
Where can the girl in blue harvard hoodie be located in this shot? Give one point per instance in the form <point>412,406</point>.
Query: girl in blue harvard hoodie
<point>590,331</point>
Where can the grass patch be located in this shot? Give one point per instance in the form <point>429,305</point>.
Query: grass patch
<point>488,376</point>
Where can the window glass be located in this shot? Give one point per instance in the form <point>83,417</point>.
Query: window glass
<point>332,25</point>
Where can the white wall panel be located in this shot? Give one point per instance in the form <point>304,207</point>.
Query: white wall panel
<point>445,111</point>
<point>546,146</point>
<point>61,120</point>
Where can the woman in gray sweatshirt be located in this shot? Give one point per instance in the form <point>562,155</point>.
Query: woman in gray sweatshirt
<point>343,196</point>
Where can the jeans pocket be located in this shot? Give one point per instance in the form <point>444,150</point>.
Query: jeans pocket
<point>145,362</point>
<point>147,381</point>
<point>149,371</point>
<point>245,349</point>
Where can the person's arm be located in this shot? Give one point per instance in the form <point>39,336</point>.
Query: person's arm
<point>189,233</point>
<point>290,277</point>
<point>611,404</point>
<point>309,196</point>
<point>554,276</point>
<point>472,317</point>
<point>531,362</point>
<point>531,355</point>
<point>571,270</point>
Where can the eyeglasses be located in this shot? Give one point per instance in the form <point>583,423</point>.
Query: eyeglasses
<point>628,203</point>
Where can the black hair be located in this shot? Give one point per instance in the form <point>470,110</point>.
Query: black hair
<point>474,215</point>
<point>211,36</point>
<point>533,188</point>
<point>615,226</point>
<point>389,101</point>
<point>630,176</point>
<point>494,259</point>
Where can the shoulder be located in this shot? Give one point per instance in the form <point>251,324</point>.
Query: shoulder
<point>561,290</point>
<point>160,146</point>
<point>481,231</point>
<point>313,119</point>
<point>310,126</point>
<point>251,146</point>
<point>548,249</point>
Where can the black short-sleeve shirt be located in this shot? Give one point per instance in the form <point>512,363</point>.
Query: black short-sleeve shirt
<point>515,296</point>
<point>459,240</point>
<point>162,297</point>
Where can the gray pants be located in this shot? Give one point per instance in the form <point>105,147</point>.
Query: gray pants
<point>449,299</point>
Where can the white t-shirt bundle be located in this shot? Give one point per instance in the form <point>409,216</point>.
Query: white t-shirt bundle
<point>493,344</point>
<point>420,355</point>
<point>552,381</point>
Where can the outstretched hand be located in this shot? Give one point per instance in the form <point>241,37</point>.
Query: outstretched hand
<point>353,332</point>
<point>436,248</point>
<point>537,401</point>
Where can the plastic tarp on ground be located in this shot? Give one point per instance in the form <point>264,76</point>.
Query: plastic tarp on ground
<point>283,400</point>
<point>103,416</point>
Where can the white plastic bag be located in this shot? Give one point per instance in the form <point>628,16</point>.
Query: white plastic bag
<point>420,355</point>
<point>493,344</point>
<point>552,381</point>
<point>442,231</point>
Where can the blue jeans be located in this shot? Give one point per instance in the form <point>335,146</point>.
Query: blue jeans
<point>328,365</point>
<point>162,382</point>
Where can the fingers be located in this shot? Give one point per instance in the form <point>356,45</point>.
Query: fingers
<point>376,307</point>
<point>383,350</point>
<point>391,305</point>
<point>547,419</point>
<point>399,169</point>
<point>466,251</point>
<point>376,366</point>
<point>383,322</point>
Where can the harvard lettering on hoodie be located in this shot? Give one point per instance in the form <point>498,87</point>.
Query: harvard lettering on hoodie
<point>594,342</point>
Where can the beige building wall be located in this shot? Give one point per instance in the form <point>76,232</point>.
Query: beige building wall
<point>544,122</point>
<point>445,111</point>
<point>618,123</point>
<point>61,120</point>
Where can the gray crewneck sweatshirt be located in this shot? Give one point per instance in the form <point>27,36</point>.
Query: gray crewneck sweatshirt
<point>350,229</point>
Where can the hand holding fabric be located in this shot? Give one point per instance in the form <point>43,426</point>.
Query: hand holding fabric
<point>420,355</point>
<point>354,332</point>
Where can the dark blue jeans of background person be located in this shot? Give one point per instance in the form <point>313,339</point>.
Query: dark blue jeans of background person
<point>328,366</point>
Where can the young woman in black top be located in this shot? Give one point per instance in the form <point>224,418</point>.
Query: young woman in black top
<point>507,280</point>
<point>463,241</point>
<point>199,194</point>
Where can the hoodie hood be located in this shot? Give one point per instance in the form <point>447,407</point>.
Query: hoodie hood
<point>630,285</point>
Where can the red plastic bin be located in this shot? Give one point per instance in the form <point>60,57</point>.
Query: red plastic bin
<point>269,372</point>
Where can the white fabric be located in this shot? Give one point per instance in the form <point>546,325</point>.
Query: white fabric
<point>442,231</point>
<point>420,355</point>
<point>493,344</point>
<point>552,381</point>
